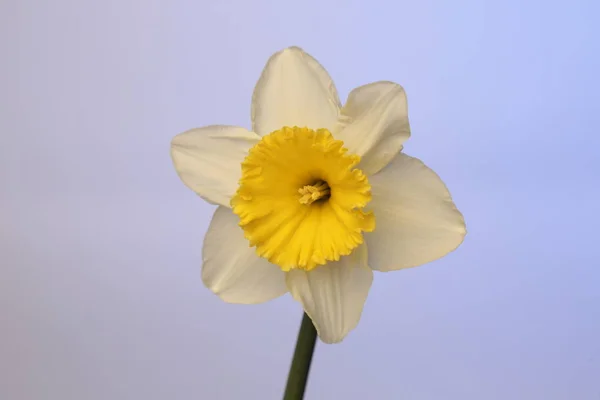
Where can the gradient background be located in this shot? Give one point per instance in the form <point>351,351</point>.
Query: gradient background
<point>100,246</point>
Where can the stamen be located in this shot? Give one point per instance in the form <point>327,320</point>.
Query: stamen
<point>311,193</point>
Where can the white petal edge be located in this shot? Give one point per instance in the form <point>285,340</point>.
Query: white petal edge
<point>333,295</point>
<point>416,221</point>
<point>374,124</point>
<point>208,160</point>
<point>294,90</point>
<point>232,269</point>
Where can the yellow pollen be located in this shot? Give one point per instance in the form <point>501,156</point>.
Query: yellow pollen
<point>301,200</point>
<point>311,193</point>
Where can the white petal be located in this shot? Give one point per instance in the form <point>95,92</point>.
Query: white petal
<point>294,90</point>
<point>208,160</point>
<point>232,269</point>
<point>416,220</point>
<point>374,124</point>
<point>333,295</point>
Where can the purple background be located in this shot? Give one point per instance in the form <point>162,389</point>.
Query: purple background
<point>100,290</point>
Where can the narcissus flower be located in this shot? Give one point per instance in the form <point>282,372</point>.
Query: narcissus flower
<point>316,196</point>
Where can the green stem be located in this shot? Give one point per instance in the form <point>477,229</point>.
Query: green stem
<point>305,346</point>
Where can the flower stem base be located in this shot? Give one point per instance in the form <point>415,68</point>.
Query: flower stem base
<point>305,346</point>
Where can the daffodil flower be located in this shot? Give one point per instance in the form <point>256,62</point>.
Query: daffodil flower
<point>316,196</point>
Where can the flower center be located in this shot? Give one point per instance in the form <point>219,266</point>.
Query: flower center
<point>311,193</point>
<point>300,199</point>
